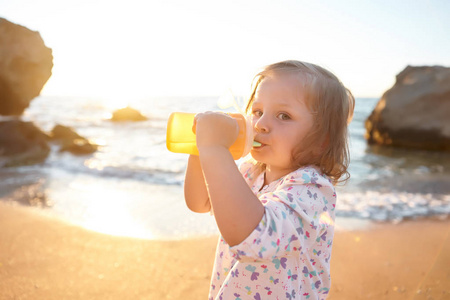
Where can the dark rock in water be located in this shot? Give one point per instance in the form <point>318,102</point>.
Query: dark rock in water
<point>60,132</point>
<point>415,112</point>
<point>71,141</point>
<point>25,66</point>
<point>78,146</point>
<point>22,143</point>
<point>128,114</point>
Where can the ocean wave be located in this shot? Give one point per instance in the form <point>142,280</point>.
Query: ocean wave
<point>153,175</point>
<point>391,206</point>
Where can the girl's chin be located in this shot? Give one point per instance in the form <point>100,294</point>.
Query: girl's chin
<point>257,155</point>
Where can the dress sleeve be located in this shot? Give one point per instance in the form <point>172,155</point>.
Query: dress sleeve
<point>298,214</point>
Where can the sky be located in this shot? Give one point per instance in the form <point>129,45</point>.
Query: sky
<point>142,48</point>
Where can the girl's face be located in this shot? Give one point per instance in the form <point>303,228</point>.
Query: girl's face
<point>280,120</point>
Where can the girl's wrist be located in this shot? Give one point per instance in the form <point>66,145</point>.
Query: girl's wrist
<point>212,151</point>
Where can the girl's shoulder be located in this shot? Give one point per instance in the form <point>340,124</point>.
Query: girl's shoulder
<point>250,169</point>
<point>308,175</point>
<point>250,166</point>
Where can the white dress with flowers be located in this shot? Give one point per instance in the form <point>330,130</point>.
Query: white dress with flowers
<point>287,256</point>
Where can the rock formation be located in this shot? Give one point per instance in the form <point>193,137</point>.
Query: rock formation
<point>415,112</point>
<point>22,143</point>
<point>25,66</point>
<point>128,114</point>
<point>71,141</point>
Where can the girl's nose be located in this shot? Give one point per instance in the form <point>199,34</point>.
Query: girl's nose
<point>261,124</point>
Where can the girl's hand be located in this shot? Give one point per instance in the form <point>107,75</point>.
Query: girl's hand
<point>215,129</point>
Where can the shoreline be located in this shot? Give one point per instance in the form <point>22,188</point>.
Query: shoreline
<point>42,257</point>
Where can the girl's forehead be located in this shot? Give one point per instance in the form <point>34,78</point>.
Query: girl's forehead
<point>281,85</point>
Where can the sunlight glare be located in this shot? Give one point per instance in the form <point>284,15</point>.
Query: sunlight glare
<point>94,163</point>
<point>113,220</point>
<point>326,219</point>
<point>108,212</point>
<point>116,102</point>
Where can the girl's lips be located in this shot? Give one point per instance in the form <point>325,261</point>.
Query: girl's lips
<point>257,144</point>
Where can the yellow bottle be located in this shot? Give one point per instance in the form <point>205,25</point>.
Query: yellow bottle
<point>181,139</point>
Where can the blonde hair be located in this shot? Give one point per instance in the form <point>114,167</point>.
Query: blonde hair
<point>331,104</point>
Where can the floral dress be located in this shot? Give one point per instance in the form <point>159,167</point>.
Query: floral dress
<point>287,256</point>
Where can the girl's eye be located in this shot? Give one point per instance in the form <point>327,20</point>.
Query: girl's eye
<point>284,117</point>
<point>257,113</point>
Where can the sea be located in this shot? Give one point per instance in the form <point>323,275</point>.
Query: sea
<point>133,186</point>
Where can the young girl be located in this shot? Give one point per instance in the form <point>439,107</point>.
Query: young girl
<point>275,214</point>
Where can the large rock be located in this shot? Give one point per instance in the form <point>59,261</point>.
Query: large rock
<point>22,143</point>
<point>71,141</point>
<point>127,114</point>
<point>25,66</point>
<point>415,112</point>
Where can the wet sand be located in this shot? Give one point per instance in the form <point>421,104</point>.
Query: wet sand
<point>45,258</point>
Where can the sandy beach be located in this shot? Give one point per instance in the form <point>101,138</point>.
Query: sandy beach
<point>45,258</point>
